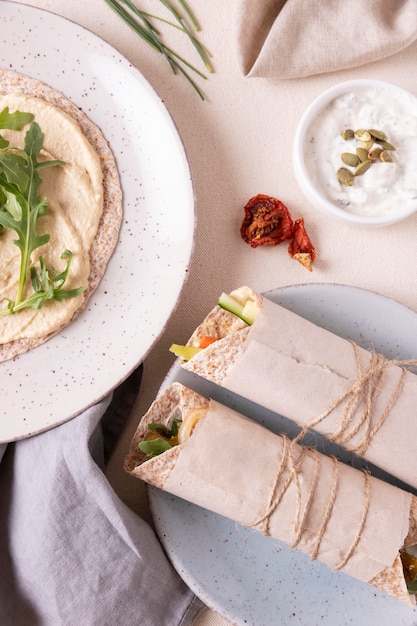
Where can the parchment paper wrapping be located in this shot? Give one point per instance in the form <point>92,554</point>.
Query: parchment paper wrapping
<point>239,479</point>
<point>297,369</point>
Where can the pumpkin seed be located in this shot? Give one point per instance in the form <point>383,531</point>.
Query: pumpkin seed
<point>386,145</point>
<point>345,176</point>
<point>385,156</point>
<point>377,134</point>
<point>362,154</point>
<point>373,146</point>
<point>350,159</point>
<point>362,135</point>
<point>362,168</point>
<point>374,153</point>
<point>367,144</point>
<point>347,134</point>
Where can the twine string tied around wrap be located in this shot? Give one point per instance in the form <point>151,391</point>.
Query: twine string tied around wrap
<point>359,414</point>
<point>360,402</point>
<point>288,472</point>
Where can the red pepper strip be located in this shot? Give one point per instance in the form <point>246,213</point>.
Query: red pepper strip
<point>300,247</point>
<point>206,341</point>
<point>267,221</point>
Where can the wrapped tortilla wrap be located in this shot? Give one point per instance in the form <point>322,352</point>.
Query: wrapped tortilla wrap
<point>237,468</point>
<point>285,363</point>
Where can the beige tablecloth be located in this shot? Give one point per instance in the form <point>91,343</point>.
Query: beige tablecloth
<point>239,143</point>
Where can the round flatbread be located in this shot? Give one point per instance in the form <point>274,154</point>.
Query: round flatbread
<point>105,235</point>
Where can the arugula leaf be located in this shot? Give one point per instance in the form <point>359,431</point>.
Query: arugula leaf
<point>12,121</point>
<point>163,430</point>
<point>154,447</point>
<point>20,208</point>
<point>45,287</point>
<point>11,204</point>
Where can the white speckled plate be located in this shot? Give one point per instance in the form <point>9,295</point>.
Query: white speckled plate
<point>143,281</point>
<point>254,580</point>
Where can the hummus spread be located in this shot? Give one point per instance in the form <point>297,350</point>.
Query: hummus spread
<point>74,193</point>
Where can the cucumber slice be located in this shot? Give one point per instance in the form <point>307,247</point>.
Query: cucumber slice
<point>250,312</point>
<point>247,312</point>
<point>230,304</point>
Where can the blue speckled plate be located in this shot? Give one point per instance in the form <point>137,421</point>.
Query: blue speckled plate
<point>144,278</point>
<point>254,580</point>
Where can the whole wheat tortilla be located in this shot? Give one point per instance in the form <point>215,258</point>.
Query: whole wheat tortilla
<point>317,379</point>
<point>176,398</point>
<point>176,401</point>
<point>108,230</point>
<point>218,359</point>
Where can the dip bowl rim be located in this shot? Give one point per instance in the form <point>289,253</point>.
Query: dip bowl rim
<point>301,171</point>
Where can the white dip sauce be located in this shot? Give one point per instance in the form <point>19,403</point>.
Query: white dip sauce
<point>385,187</point>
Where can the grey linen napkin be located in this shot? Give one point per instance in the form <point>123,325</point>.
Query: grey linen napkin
<point>297,38</point>
<point>71,553</point>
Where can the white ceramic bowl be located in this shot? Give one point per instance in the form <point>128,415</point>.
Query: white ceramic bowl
<point>306,170</point>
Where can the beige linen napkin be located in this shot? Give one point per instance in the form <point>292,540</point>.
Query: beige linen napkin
<point>296,38</point>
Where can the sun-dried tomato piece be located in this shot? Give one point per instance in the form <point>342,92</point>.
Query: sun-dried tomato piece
<point>300,247</point>
<point>267,221</point>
